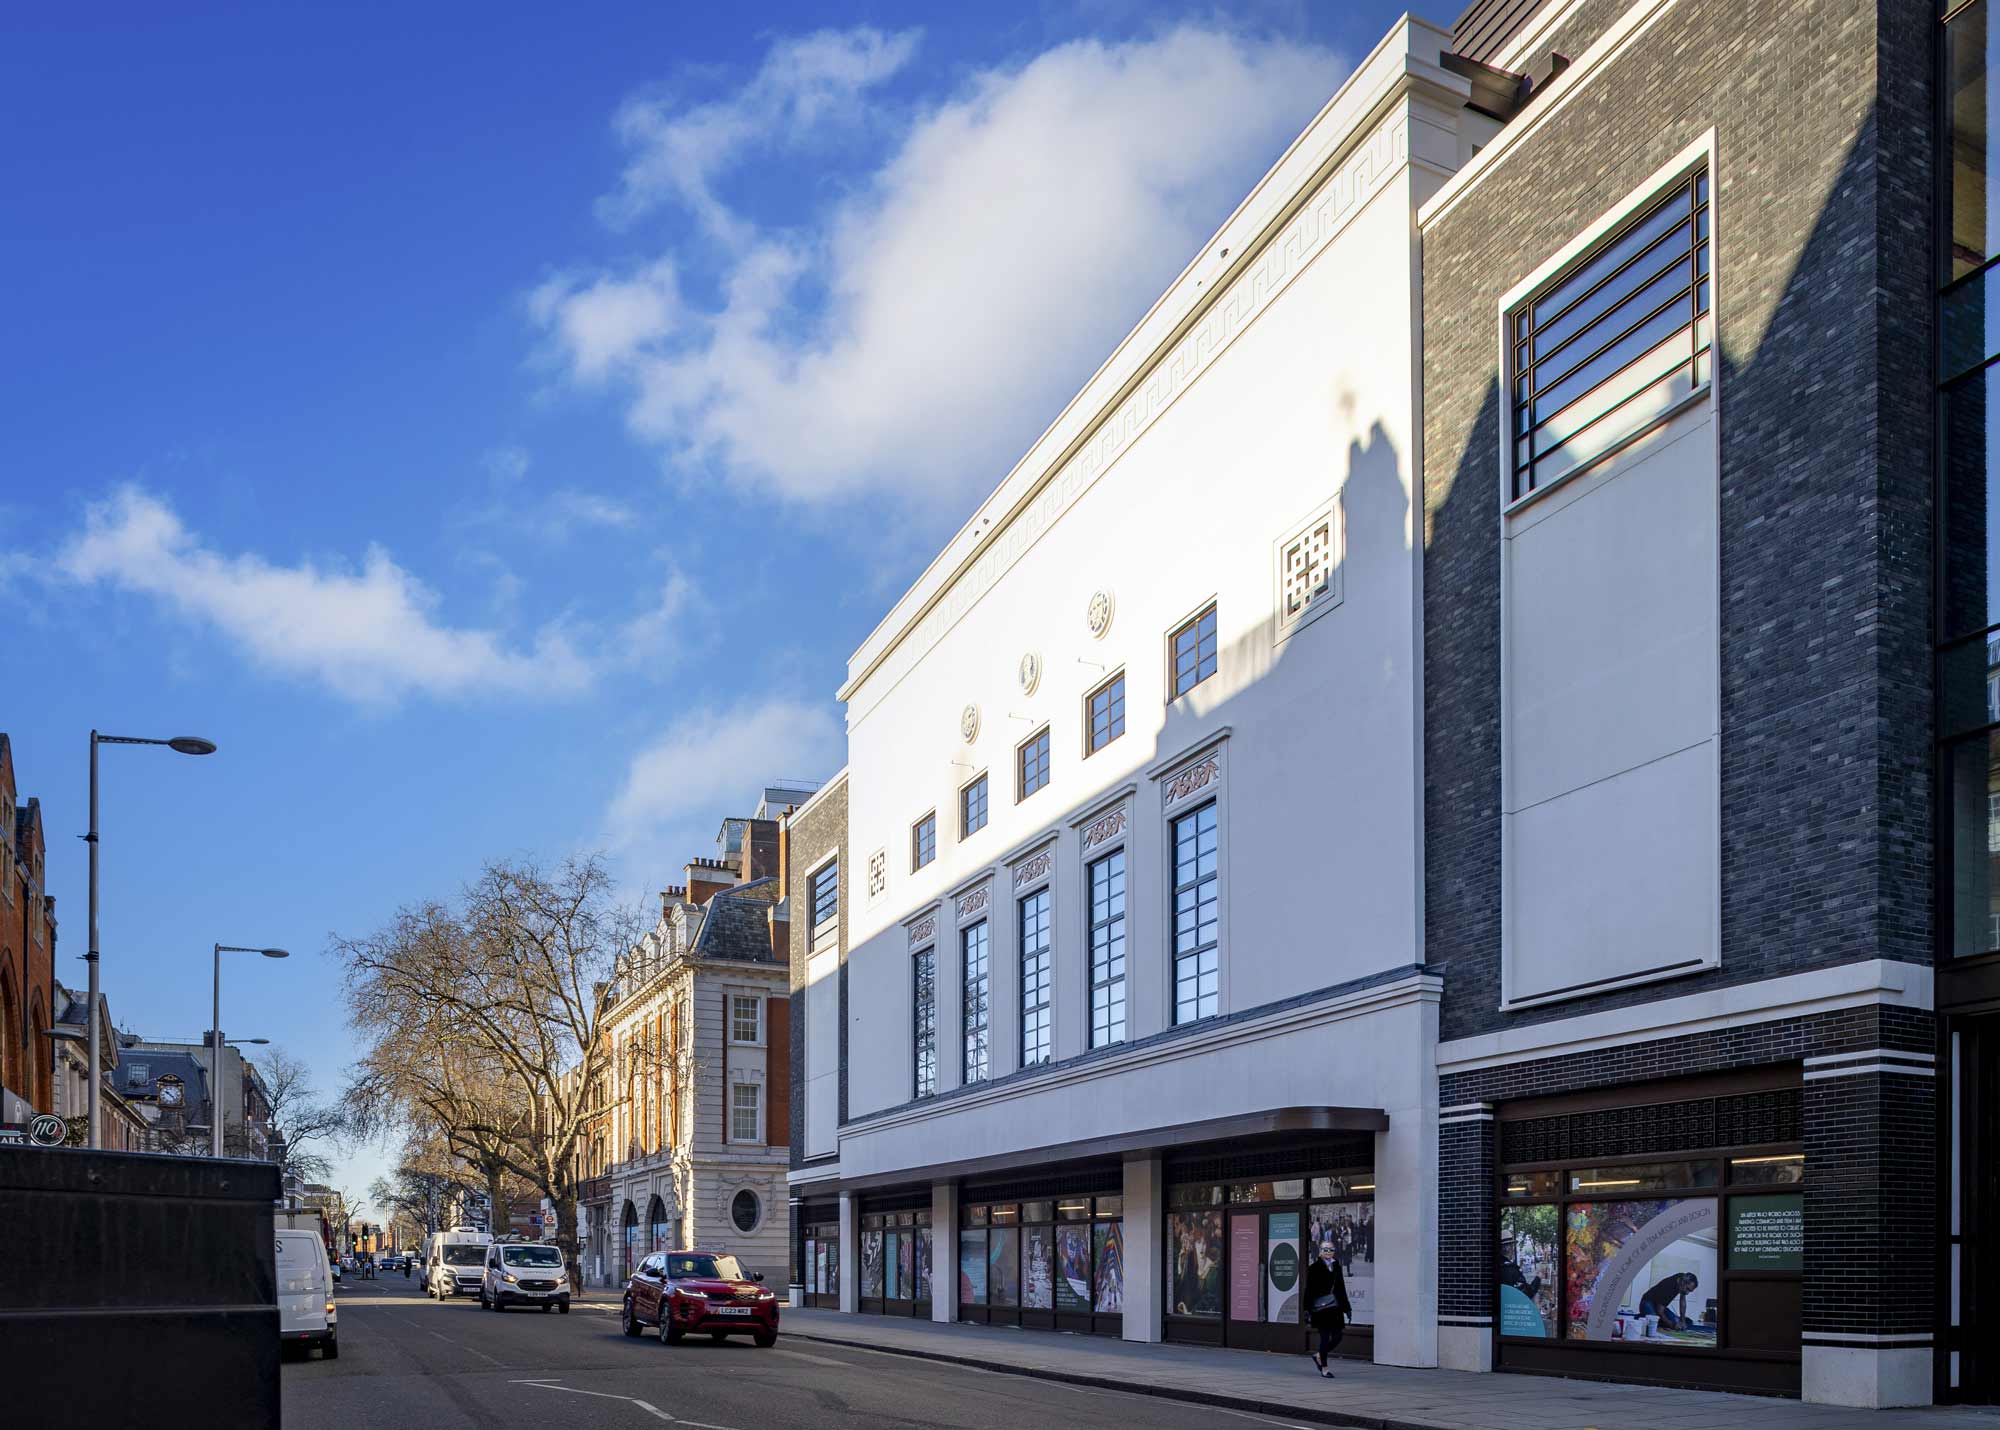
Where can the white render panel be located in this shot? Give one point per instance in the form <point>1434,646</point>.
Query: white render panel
<point>822,1053</point>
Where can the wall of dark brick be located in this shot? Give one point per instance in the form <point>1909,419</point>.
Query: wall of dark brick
<point>812,835</point>
<point>1822,254</point>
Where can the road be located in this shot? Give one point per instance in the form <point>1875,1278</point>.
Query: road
<point>407,1361</point>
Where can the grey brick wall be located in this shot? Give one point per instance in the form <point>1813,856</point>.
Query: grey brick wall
<point>821,829</point>
<point>1822,114</point>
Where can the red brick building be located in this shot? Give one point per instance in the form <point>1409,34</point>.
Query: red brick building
<point>27,953</point>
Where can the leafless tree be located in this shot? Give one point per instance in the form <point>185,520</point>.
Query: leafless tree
<point>306,1124</point>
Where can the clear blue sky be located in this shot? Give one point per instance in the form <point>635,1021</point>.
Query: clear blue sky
<point>496,425</point>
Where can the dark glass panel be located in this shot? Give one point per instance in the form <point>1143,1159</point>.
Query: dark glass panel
<point>1969,79</point>
<point>1972,772</point>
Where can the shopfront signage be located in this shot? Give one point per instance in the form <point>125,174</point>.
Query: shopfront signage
<point>1767,1233</point>
<point>1282,1267</point>
<point>1245,1270</point>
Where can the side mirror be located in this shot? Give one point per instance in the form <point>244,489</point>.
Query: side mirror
<point>756,1276</point>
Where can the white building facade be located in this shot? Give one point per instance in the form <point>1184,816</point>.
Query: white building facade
<point>1132,1001</point>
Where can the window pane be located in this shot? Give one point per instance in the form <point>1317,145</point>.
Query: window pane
<point>1194,652</point>
<point>924,973</point>
<point>1197,969</point>
<point>1035,978</point>
<point>826,893</point>
<point>1533,1184</point>
<point>1973,772</point>
<point>1032,764</point>
<point>923,841</point>
<point>972,807</point>
<point>972,1268</point>
<point>1108,1284</point>
<point>973,952</point>
<point>1194,1263</point>
<point>1774,1171</point>
<point>1003,1267</point>
<point>1107,950</point>
<point>1038,1271</point>
<point>1529,1236</point>
<point>1972,71</point>
<point>1645,1178</point>
<point>1073,1268</point>
<point>1664,1292</point>
<point>1107,714</point>
<point>1971,575</point>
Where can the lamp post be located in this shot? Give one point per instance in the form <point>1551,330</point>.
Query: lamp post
<point>215,1111</point>
<point>181,744</point>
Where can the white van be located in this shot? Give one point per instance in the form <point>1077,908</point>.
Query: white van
<point>454,1262</point>
<point>306,1313</point>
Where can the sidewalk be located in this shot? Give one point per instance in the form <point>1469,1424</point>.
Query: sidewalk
<point>1383,1397</point>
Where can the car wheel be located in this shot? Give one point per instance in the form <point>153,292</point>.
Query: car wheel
<point>548,1306</point>
<point>565,1308</point>
<point>629,1321</point>
<point>329,1349</point>
<point>767,1339</point>
<point>718,1336</point>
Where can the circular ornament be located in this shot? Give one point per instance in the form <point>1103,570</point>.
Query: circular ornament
<point>1098,616</point>
<point>1029,672</point>
<point>968,723</point>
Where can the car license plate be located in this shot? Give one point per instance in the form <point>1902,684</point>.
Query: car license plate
<point>732,1310</point>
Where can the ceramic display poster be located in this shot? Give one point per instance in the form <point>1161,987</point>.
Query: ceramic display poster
<point>871,1264</point>
<point>1038,1290</point>
<point>1003,1266</point>
<point>892,1266</point>
<point>1194,1242</point>
<point>1350,1226</point>
<point>1528,1239</point>
<point>815,1268</point>
<point>1245,1269</point>
<point>1281,1267</point>
<point>972,1268</point>
<point>1072,1267</point>
<point>906,1261</point>
<point>923,1263</point>
<point>1108,1287</point>
<point>1642,1271</point>
<point>1768,1233</point>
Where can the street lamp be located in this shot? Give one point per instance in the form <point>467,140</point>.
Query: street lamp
<point>215,1052</point>
<point>180,744</point>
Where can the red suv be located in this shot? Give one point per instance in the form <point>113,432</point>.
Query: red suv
<point>703,1292</point>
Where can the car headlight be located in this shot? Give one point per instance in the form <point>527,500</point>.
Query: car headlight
<point>767,1295</point>
<point>510,1278</point>
<point>691,1294</point>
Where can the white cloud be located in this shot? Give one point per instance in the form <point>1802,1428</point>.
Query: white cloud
<point>506,463</point>
<point>914,335</point>
<point>705,765</point>
<point>370,634</point>
<point>648,636</point>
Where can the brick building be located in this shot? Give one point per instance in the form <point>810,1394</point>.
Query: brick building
<point>27,953</point>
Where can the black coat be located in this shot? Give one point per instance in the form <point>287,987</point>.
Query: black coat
<point>1322,1278</point>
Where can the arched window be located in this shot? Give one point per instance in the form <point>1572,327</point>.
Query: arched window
<point>656,1220</point>
<point>631,1238</point>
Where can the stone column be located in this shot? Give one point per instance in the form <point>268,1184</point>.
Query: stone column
<point>797,1288</point>
<point>1145,1261</point>
<point>1468,1235</point>
<point>944,1251</point>
<point>1406,1193</point>
<point>850,1253</point>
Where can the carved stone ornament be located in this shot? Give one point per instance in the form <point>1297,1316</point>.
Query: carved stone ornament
<point>923,930</point>
<point>975,902</point>
<point>1029,672</point>
<point>968,723</point>
<point>1196,776</point>
<point>1098,615</point>
<point>1109,827</point>
<point>1028,871</point>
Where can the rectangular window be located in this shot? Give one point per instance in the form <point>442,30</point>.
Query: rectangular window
<point>923,841</point>
<point>1194,652</point>
<point>1031,763</point>
<point>972,808</point>
<point>923,977</point>
<point>746,1112</point>
<point>1035,978</point>
<point>1107,949</point>
<point>972,963</point>
<point>826,894</point>
<point>744,1018</point>
<point>1105,716</point>
<point>1613,341</point>
<point>1197,970</point>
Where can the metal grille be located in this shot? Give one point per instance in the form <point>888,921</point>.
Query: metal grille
<point>1088,1181</point>
<point>1345,1151</point>
<point>1752,1119</point>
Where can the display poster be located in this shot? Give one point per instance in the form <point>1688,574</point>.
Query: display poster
<point>972,1268</point>
<point>1281,1267</point>
<point>832,1249</point>
<point>1245,1269</point>
<point>1768,1233</point>
<point>922,1263</point>
<point>1038,1288</point>
<point>1643,1271</point>
<point>1194,1242</point>
<point>906,1266</point>
<point>894,1268</point>
<point>1108,1285</point>
<point>815,1268</point>
<point>1527,1272</point>
<point>871,1264</point>
<point>1073,1267</point>
<point>1350,1226</point>
<point>1003,1266</point>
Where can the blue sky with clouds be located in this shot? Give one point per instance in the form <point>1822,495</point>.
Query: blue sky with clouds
<point>495,426</point>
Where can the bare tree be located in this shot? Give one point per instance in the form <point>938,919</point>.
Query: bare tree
<point>298,1117</point>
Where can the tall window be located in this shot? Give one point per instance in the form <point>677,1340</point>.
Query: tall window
<point>1614,341</point>
<point>826,894</point>
<point>746,1112</point>
<point>744,1019</point>
<point>923,976</point>
<point>923,841</point>
<point>972,808</point>
<point>1035,978</point>
<point>1031,763</point>
<point>1105,717</point>
<point>1107,949</point>
<point>1197,970</point>
<point>972,960</point>
<point>1194,651</point>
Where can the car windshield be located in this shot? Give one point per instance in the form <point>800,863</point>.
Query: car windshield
<point>531,1256</point>
<point>710,1268</point>
<point>464,1255</point>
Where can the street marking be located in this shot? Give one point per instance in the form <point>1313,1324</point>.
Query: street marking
<point>1260,1419</point>
<point>816,1360</point>
<point>645,1405</point>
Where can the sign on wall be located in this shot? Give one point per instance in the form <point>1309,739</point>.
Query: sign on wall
<point>1281,1254</point>
<point>1768,1233</point>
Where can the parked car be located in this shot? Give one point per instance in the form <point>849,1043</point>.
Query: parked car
<point>306,1314</point>
<point>699,1293</point>
<point>524,1273</point>
<point>456,1269</point>
<point>333,1266</point>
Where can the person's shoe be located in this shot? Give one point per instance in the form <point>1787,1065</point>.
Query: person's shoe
<point>1326,1371</point>
<point>1318,1361</point>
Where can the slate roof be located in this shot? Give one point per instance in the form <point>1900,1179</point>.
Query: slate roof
<point>185,1066</point>
<point>737,925</point>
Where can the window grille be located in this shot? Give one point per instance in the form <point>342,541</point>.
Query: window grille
<point>746,1112</point>
<point>972,808</point>
<point>826,893</point>
<point>1106,720</point>
<point>1197,965</point>
<point>972,956</point>
<point>1031,763</point>
<point>923,841</point>
<point>1107,949</point>
<point>923,967</point>
<point>878,873</point>
<point>1035,978</point>
<point>1194,647</point>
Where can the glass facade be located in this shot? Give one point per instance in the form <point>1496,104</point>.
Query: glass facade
<point>896,1262</point>
<point>977,991</point>
<point>1036,976</point>
<point>1107,949</point>
<point>1049,1262</point>
<point>1197,957</point>
<point>923,1004</point>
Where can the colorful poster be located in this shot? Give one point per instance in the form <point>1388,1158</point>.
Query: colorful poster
<point>921,1263</point>
<point>1350,1226</point>
<point>832,1268</point>
<point>1245,1270</point>
<point>1003,1266</point>
<point>1038,1288</point>
<point>1528,1270</point>
<point>1643,1271</point>
<point>1194,1244</point>
<point>871,1264</point>
<point>972,1268</point>
<point>815,1268</point>
<point>894,1268</point>
<point>1073,1267</point>
<point>1768,1233</point>
<point>1108,1287</point>
<point>1281,1267</point>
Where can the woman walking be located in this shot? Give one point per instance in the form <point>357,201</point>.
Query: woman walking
<point>1327,1305</point>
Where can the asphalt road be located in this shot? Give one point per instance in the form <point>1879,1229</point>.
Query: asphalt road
<point>407,1361</point>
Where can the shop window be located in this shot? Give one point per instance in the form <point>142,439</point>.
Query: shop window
<point>1194,1263</point>
<point>1643,1177</point>
<point>1064,1255</point>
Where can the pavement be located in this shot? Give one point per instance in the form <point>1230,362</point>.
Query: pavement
<point>409,1361</point>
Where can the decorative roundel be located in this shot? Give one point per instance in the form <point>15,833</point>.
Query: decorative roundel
<point>1099,614</point>
<point>968,723</point>
<point>1029,672</point>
